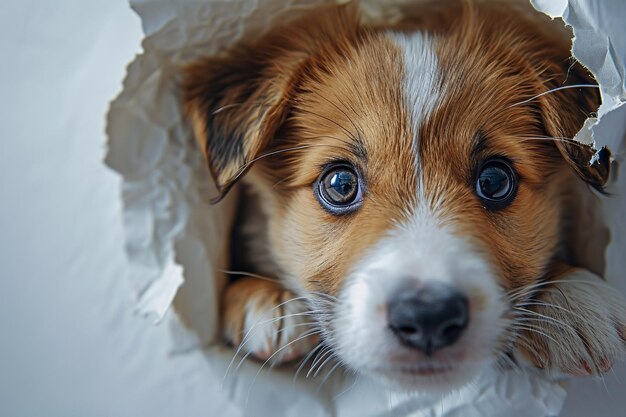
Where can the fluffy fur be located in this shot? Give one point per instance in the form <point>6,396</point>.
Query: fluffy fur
<point>415,108</point>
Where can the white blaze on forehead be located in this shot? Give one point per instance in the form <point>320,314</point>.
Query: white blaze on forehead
<point>421,78</point>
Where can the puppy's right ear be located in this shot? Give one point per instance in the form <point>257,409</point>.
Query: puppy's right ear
<point>236,103</point>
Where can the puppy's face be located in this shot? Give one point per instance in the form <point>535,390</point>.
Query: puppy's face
<point>408,178</point>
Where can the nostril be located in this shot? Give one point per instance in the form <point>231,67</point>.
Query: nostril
<point>452,331</point>
<point>407,330</point>
<point>428,318</point>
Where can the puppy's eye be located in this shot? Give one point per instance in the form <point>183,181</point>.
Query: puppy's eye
<point>496,184</point>
<point>340,186</point>
<point>338,189</point>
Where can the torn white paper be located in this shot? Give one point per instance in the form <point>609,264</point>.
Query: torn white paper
<point>168,219</point>
<point>599,43</point>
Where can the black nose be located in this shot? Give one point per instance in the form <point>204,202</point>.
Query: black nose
<point>428,318</point>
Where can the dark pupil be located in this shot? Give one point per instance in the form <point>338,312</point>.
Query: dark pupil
<point>341,186</point>
<point>494,182</point>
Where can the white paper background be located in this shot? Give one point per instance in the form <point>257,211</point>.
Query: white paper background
<point>70,342</point>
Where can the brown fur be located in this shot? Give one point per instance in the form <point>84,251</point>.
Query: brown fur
<point>493,60</point>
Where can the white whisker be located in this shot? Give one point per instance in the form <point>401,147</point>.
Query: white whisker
<point>328,375</point>
<point>565,87</point>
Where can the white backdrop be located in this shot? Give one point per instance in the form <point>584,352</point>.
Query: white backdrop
<point>70,343</point>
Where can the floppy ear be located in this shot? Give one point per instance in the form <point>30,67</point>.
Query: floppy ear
<point>564,113</point>
<point>236,103</point>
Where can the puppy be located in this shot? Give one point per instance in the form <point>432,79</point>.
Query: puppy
<point>406,195</point>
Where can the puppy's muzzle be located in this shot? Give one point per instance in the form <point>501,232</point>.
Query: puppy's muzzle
<point>428,318</point>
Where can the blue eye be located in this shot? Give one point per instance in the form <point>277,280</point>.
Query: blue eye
<point>496,183</point>
<point>338,189</point>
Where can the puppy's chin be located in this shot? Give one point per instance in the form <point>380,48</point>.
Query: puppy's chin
<point>428,376</point>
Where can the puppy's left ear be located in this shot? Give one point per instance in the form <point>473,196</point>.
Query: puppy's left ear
<point>236,104</point>
<point>564,113</point>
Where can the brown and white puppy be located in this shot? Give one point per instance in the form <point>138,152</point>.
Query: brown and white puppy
<point>409,185</point>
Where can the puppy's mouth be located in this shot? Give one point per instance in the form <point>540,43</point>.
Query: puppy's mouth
<point>448,361</point>
<point>429,375</point>
<point>425,369</point>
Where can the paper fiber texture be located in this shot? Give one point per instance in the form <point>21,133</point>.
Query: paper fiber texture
<point>169,221</point>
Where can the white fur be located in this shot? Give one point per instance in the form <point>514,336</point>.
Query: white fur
<point>415,254</point>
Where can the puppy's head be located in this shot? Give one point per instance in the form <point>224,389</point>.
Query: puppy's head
<point>411,178</point>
